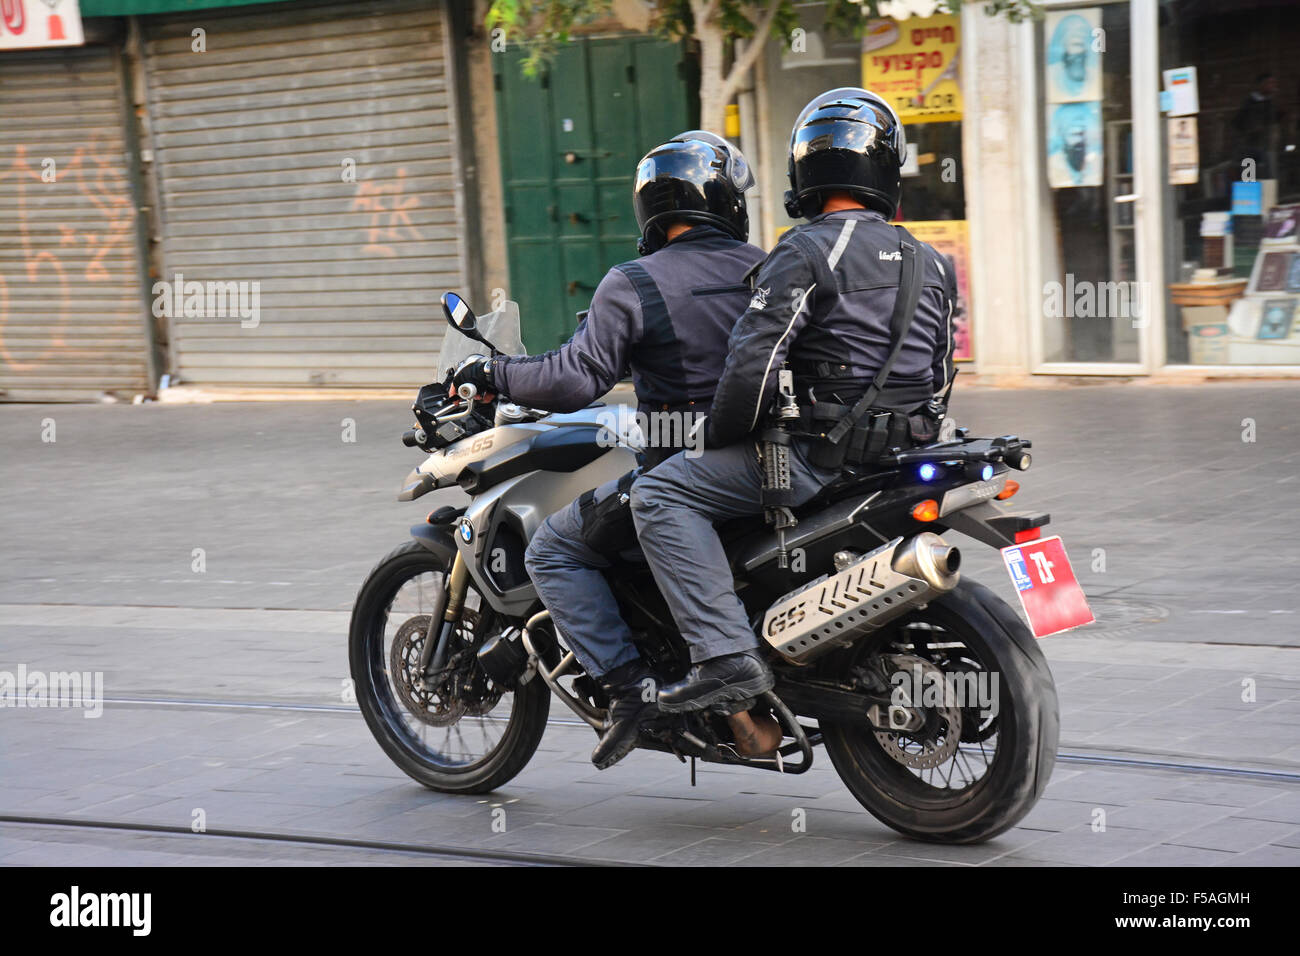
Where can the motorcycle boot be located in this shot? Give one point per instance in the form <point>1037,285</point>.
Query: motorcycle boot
<point>631,703</point>
<point>719,680</point>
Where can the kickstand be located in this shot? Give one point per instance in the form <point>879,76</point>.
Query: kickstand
<point>692,770</point>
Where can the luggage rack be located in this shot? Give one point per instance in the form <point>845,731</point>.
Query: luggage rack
<point>1008,448</point>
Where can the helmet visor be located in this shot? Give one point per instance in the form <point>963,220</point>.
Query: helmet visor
<point>888,119</point>
<point>736,168</point>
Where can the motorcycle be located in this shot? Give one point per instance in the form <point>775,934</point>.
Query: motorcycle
<point>929,694</point>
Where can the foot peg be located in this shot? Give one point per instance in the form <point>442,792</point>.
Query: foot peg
<point>733,707</point>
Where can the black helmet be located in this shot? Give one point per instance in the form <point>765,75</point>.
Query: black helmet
<point>694,177</point>
<point>847,140</point>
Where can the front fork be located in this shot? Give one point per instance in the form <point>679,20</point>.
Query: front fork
<point>433,655</point>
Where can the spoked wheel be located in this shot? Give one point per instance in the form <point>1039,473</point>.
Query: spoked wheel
<point>454,730</point>
<point>972,738</point>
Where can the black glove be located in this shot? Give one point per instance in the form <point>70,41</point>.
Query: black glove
<point>477,371</point>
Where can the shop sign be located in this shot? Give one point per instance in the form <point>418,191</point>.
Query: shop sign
<point>914,64</point>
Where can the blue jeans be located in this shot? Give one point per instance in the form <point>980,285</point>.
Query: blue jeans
<point>569,578</point>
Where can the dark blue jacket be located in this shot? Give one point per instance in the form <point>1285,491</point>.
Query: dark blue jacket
<point>822,301</point>
<point>667,317</point>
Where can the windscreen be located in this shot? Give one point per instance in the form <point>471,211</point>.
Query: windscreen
<point>501,328</point>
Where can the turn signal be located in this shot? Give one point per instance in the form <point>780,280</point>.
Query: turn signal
<point>1009,489</point>
<point>926,510</point>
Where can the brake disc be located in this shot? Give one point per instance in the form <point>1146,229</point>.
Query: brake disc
<point>936,740</point>
<point>434,704</point>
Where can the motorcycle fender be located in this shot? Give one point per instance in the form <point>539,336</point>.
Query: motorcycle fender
<point>417,483</point>
<point>988,523</point>
<point>437,538</point>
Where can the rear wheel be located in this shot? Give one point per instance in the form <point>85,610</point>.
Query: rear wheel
<point>454,731</point>
<point>957,769</point>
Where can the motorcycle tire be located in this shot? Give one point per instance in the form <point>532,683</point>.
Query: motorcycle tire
<point>382,710</point>
<point>1028,727</point>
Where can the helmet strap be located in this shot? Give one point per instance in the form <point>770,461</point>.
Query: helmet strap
<point>793,207</point>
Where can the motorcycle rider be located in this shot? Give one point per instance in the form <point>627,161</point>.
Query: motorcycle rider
<point>666,316</point>
<point>824,302</point>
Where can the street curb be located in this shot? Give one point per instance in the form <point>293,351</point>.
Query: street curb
<point>206,395</point>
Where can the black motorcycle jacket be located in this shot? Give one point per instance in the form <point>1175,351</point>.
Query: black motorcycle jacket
<point>822,302</point>
<point>666,317</point>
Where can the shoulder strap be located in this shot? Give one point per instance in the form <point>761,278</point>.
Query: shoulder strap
<point>900,323</point>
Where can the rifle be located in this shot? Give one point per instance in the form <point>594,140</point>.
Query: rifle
<point>774,442</point>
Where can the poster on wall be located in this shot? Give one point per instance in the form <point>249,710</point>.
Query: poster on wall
<point>1280,225</point>
<point>1271,271</point>
<point>1073,55</point>
<point>949,238</point>
<point>1074,149</point>
<point>1181,86</point>
<point>914,64</point>
<point>27,24</point>
<point>1184,155</point>
<point>1276,321</point>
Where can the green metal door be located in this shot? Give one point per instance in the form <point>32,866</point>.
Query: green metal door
<point>570,139</point>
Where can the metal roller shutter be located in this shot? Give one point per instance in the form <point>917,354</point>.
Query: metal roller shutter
<point>251,139</point>
<point>72,308</point>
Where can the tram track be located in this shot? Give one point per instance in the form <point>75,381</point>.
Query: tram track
<point>1114,758</point>
<point>444,851</point>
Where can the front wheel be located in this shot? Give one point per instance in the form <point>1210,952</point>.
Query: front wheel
<point>957,769</point>
<point>454,731</point>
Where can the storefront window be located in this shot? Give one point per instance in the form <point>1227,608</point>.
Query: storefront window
<point>914,63</point>
<point>932,190</point>
<point>1091,304</point>
<point>1231,98</point>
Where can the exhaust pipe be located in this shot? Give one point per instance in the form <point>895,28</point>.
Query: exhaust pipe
<point>928,557</point>
<point>838,609</point>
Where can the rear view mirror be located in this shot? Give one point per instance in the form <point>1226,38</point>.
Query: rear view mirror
<point>459,314</point>
<point>462,318</point>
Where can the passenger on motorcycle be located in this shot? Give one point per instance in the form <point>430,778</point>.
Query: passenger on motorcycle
<point>665,316</point>
<point>823,304</point>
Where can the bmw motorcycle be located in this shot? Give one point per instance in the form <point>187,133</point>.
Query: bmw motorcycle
<point>929,694</point>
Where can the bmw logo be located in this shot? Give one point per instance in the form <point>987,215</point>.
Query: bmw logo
<point>466,532</point>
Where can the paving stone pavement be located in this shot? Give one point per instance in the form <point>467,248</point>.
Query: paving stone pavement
<point>1181,533</point>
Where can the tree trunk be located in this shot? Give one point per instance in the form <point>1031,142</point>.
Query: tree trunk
<point>713,49</point>
<point>718,86</point>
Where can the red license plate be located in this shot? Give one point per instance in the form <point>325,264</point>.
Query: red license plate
<point>1048,590</point>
